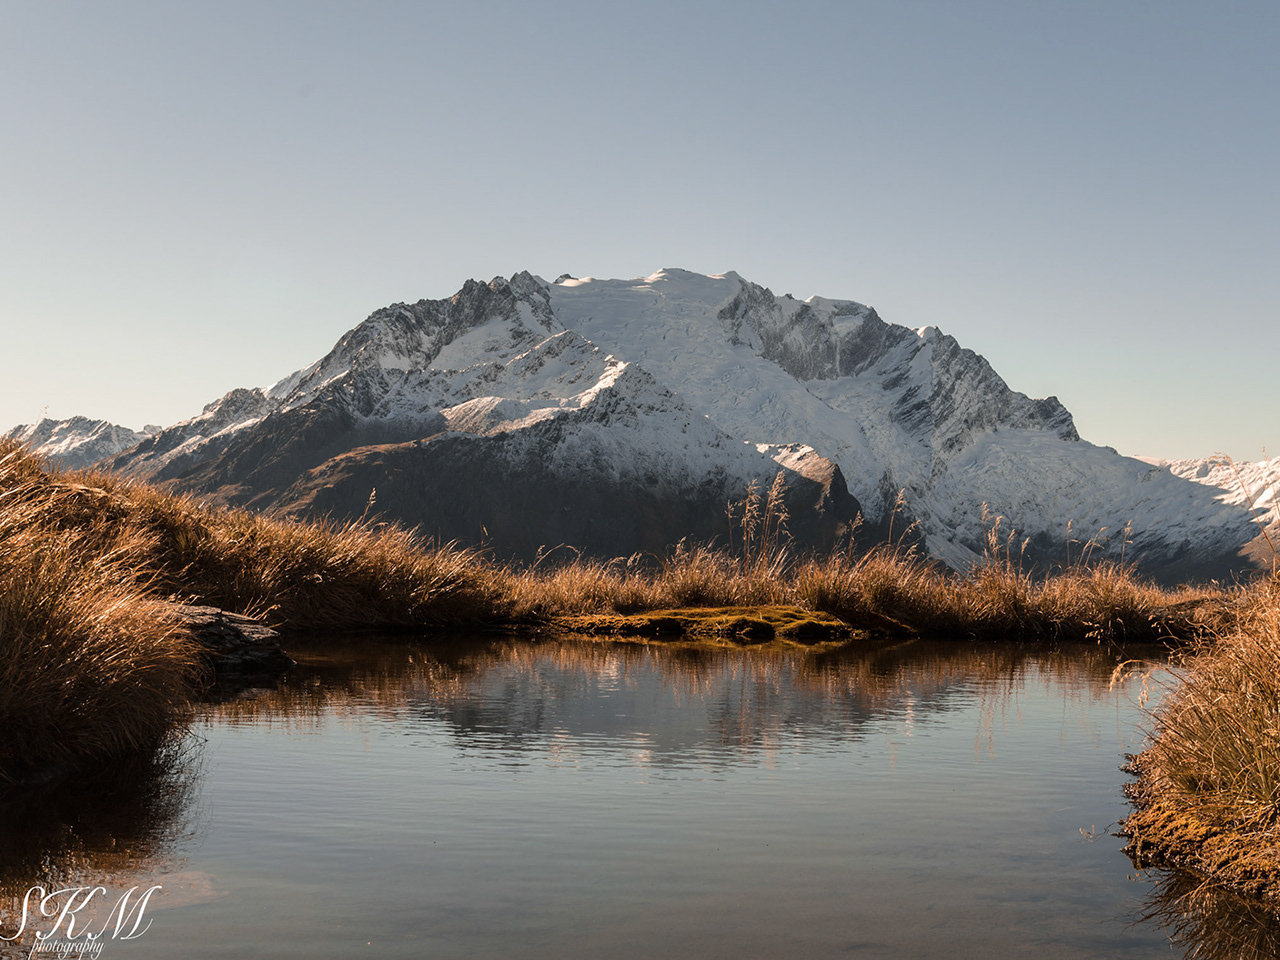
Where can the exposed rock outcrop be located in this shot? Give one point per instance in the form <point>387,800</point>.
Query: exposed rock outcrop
<point>236,647</point>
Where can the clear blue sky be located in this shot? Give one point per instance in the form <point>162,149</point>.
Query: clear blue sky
<point>199,196</point>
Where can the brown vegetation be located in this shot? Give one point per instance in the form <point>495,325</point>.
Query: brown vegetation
<point>313,575</point>
<point>1208,792</point>
<point>888,589</point>
<point>92,664</point>
<point>1207,797</point>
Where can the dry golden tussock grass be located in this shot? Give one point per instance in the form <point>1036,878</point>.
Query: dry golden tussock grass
<point>887,587</point>
<point>1208,792</point>
<point>93,662</point>
<point>1216,744</point>
<point>304,575</point>
<point>89,564</point>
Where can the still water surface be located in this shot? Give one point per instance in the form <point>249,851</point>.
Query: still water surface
<point>563,799</point>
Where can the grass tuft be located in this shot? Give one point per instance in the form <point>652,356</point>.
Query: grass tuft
<point>92,663</point>
<point>1217,736</point>
<point>1208,790</point>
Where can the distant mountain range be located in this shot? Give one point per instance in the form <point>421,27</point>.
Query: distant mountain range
<point>78,442</point>
<point>617,416</point>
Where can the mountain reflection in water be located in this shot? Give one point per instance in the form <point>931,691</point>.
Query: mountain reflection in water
<point>875,798</point>
<point>682,701</point>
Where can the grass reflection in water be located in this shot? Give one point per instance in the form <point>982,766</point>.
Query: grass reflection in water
<point>1208,922</point>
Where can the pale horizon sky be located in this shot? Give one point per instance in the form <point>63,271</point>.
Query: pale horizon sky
<point>198,197</point>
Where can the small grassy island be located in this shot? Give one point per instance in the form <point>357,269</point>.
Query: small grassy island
<point>98,657</point>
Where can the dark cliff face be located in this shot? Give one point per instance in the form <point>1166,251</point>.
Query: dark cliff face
<point>516,493</point>
<point>255,468</point>
<point>413,335</point>
<point>501,494</point>
<point>171,450</point>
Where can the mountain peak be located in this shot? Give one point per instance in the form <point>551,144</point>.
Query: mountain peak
<point>515,397</point>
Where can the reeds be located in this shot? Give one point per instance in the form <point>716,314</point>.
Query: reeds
<point>1208,795</point>
<point>92,663</point>
<point>1216,745</point>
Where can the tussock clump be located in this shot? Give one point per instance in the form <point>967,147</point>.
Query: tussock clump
<point>90,664</point>
<point>94,664</point>
<point>700,576</point>
<point>751,571</point>
<point>886,584</point>
<point>692,576</point>
<point>997,600</point>
<point>306,575</point>
<point>303,575</point>
<point>889,587</point>
<point>1217,736</point>
<point>1207,797</point>
<point>579,586</point>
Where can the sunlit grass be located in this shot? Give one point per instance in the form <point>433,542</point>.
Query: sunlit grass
<point>1217,737</point>
<point>93,662</point>
<point>1208,795</point>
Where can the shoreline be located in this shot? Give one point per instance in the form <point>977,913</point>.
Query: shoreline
<point>1206,793</point>
<point>1162,833</point>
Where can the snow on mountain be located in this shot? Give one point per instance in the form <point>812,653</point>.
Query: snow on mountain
<point>897,409</point>
<point>494,380</point>
<point>1255,485</point>
<point>489,322</point>
<point>674,390</point>
<point>891,401</point>
<point>200,437</point>
<point>1241,485</point>
<point>624,420</point>
<point>492,359</point>
<point>78,442</point>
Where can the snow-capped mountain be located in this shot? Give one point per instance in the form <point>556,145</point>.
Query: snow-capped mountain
<point>482,418</point>
<point>617,415</point>
<point>78,442</point>
<point>1254,485</point>
<point>900,409</point>
<point>1250,486</point>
